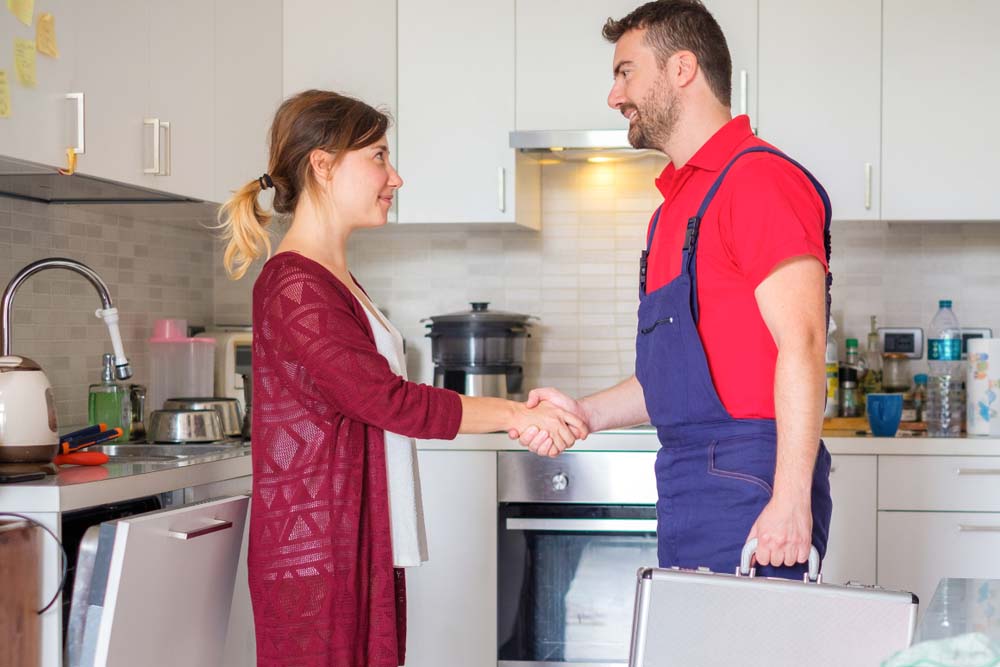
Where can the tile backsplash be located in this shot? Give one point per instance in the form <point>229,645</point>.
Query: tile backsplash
<point>153,268</point>
<point>578,276</point>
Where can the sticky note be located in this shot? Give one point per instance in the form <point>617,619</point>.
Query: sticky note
<point>24,61</point>
<point>45,35</point>
<point>24,10</point>
<point>4,95</point>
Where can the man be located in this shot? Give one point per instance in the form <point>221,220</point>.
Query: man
<point>732,315</point>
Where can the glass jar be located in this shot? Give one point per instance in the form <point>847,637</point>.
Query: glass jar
<point>894,373</point>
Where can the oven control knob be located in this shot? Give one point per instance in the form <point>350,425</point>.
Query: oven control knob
<point>560,481</point>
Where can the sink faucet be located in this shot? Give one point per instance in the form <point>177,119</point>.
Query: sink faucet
<point>108,312</point>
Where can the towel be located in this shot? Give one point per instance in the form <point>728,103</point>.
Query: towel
<point>970,650</point>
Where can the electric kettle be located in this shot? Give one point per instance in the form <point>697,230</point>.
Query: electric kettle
<point>28,428</point>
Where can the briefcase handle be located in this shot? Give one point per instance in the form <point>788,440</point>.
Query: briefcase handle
<point>744,570</point>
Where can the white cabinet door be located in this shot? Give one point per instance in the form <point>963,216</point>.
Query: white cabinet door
<point>738,20</point>
<point>918,549</point>
<point>247,89</point>
<point>456,110</point>
<point>112,72</point>
<point>452,599</point>
<point>170,585</point>
<point>850,554</point>
<point>37,129</point>
<point>348,47</point>
<point>940,138</point>
<point>564,65</point>
<point>180,92</point>
<point>820,87</point>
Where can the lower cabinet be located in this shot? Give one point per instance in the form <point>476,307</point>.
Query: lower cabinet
<point>917,549</point>
<point>452,599</point>
<point>850,554</point>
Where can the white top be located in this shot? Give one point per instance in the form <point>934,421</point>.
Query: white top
<point>406,512</point>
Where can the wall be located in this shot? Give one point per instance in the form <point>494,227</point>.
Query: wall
<point>153,268</point>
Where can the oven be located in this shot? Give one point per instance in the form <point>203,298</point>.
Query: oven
<point>572,532</point>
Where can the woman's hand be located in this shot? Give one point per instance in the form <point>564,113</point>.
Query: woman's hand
<point>546,417</point>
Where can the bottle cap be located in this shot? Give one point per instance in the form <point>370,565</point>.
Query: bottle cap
<point>851,342</point>
<point>944,303</point>
<point>920,378</point>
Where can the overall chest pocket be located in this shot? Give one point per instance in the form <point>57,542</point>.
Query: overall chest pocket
<point>666,320</point>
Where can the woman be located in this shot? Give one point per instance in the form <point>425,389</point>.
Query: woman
<point>335,491</point>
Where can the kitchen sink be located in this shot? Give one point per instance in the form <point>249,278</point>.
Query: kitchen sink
<point>162,452</point>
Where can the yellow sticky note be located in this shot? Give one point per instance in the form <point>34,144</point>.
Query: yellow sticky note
<point>24,61</point>
<point>4,95</point>
<point>24,10</point>
<point>45,35</point>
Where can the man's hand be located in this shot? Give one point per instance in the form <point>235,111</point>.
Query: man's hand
<point>783,531</point>
<point>536,439</point>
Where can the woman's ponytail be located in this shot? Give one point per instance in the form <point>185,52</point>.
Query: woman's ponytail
<point>244,223</point>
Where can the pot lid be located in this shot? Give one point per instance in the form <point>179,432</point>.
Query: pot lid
<point>480,314</point>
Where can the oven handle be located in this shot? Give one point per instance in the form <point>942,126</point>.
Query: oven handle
<point>585,525</point>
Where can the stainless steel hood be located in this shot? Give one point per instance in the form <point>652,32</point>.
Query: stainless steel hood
<point>578,144</point>
<point>44,184</point>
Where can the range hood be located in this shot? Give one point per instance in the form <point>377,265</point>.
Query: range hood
<point>44,184</point>
<point>590,145</point>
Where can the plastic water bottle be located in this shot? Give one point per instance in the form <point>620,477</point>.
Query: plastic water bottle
<point>945,393</point>
<point>832,373</point>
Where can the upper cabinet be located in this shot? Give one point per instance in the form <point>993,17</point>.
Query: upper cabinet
<point>820,69</point>
<point>456,88</point>
<point>940,138</point>
<point>247,91</point>
<point>564,64</point>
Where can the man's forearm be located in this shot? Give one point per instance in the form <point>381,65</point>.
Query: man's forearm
<point>798,402</point>
<point>621,405</point>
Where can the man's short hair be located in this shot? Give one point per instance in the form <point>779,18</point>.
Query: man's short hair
<point>681,25</point>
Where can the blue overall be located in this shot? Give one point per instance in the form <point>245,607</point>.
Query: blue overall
<point>714,474</point>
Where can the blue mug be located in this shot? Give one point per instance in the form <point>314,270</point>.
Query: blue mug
<point>884,412</point>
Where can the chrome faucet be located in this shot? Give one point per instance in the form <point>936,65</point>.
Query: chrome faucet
<point>108,312</point>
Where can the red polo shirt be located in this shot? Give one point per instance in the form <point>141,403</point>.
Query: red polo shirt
<point>765,212</point>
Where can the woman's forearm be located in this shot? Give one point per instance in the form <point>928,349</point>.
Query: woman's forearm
<point>481,414</point>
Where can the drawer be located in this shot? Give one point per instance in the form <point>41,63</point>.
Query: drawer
<point>939,483</point>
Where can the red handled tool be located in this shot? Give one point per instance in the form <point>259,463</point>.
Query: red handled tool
<point>70,446</point>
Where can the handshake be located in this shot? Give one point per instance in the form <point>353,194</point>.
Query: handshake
<point>549,422</point>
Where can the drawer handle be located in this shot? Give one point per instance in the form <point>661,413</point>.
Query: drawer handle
<point>963,528</point>
<point>220,524</point>
<point>978,471</point>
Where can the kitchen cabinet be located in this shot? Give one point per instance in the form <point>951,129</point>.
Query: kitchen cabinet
<point>179,95</point>
<point>348,47</point>
<point>456,69</point>
<point>452,599</point>
<point>564,64</point>
<point>248,71</point>
<point>917,549</point>
<point>939,133</point>
<point>850,552</point>
<point>820,85</point>
<point>38,129</point>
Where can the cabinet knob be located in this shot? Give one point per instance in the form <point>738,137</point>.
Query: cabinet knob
<point>560,481</point>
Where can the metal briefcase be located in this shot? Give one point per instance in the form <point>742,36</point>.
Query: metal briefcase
<point>695,618</point>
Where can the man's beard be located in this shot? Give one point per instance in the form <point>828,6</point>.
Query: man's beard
<point>658,113</point>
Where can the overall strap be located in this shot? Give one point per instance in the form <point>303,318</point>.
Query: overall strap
<point>644,260</point>
<point>689,253</point>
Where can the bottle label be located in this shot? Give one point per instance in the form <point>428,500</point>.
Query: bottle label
<point>944,349</point>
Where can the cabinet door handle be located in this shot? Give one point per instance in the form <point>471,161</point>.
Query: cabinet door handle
<point>168,160</point>
<point>155,124</point>
<point>743,91</point>
<point>502,189</point>
<point>965,528</point>
<point>962,472</point>
<point>81,131</point>
<point>868,185</point>
<point>220,524</point>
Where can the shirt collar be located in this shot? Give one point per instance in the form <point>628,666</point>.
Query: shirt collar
<point>714,153</point>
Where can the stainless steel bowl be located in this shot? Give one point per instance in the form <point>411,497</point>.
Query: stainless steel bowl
<point>185,426</point>
<point>228,409</point>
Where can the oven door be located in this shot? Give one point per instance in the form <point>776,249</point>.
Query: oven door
<point>567,581</point>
